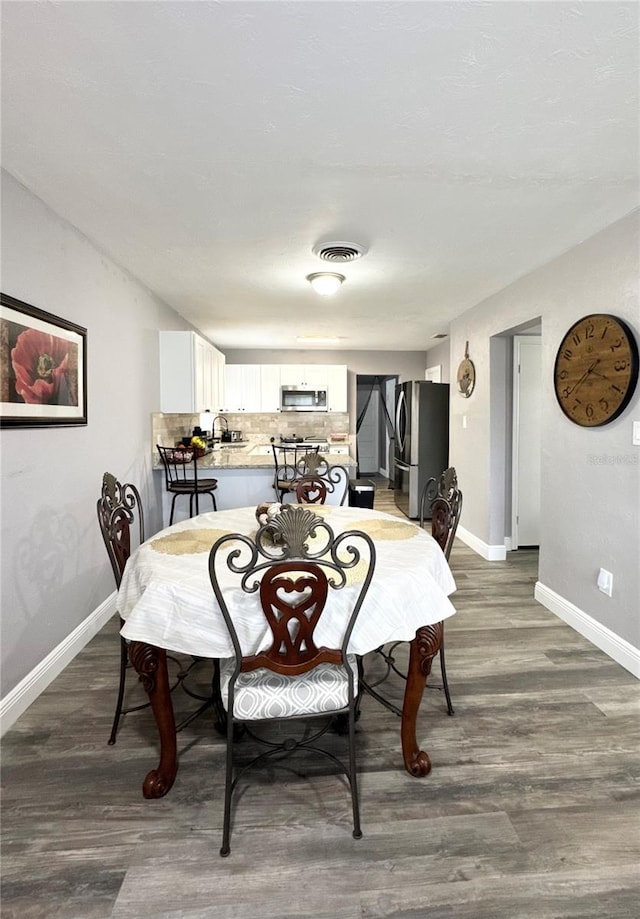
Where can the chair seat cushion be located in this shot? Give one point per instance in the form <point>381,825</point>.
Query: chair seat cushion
<point>262,694</point>
<point>187,488</point>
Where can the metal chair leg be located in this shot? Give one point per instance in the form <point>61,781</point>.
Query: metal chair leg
<point>353,778</point>
<point>173,504</point>
<point>445,683</point>
<point>228,789</point>
<point>124,658</point>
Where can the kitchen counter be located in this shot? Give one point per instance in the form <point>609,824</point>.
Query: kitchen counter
<point>243,457</point>
<point>244,474</point>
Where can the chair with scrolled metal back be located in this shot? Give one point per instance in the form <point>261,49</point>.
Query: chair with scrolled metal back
<point>290,677</point>
<point>313,489</point>
<point>121,519</point>
<point>176,463</point>
<point>444,499</point>
<point>292,462</point>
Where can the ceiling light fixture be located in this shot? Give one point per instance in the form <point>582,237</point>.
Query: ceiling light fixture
<point>317,340</point>
<point>325,283</point>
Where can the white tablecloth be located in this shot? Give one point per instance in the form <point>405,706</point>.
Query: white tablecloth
<point>167,600</point>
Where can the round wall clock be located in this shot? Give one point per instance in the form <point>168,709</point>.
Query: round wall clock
<point>596,370</point>
<point>466,376</point>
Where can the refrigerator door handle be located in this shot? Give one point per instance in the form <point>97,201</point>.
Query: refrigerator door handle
<point>401,465</point>
<point>401,419</point>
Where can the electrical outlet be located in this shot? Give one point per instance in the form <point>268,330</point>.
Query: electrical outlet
<point>635,437</point>
<point>605,582</point>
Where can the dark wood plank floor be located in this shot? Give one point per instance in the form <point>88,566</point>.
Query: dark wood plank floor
<point>530,812</point>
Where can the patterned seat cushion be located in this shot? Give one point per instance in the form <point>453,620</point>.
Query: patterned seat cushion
<point>262,694</point>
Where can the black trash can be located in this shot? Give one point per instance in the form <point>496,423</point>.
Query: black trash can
<point>361,493</point>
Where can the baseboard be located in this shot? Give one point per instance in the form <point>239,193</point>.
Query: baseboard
<point>27,691</point>
<point>599,635</point>
<point>490,553</point>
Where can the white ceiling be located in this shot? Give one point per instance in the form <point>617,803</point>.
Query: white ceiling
<point>207,146</point>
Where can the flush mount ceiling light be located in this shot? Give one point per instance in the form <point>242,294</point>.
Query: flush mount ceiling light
<point>317,340</point>
<point>325,283</point>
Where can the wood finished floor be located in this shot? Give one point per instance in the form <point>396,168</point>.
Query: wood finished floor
<point>530,812</point>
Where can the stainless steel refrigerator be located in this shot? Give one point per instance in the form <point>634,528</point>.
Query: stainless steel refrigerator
<point>421,440</point>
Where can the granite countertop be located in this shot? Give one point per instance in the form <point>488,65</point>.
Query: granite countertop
<point>225,457</point>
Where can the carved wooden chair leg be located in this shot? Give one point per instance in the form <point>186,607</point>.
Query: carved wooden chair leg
<point>445,683</point>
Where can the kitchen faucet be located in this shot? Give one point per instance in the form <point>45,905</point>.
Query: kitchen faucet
<point>221,418</point>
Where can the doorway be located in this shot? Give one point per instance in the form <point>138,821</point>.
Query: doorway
<point>375,396</point>
<point>527,422</point>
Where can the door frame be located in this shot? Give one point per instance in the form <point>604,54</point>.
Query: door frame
<point>515,439</point>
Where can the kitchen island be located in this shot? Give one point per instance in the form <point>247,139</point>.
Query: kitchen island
<point>245,476</point>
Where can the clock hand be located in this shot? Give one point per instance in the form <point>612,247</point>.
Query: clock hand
<point>584,376</point>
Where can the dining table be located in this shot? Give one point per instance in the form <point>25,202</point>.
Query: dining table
<point>167,603</point>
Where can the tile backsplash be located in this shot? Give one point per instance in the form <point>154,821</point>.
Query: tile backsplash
<point>167,430</point>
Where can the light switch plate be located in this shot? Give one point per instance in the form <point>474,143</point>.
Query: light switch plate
<point>635,437</point>
<point>605,582</point>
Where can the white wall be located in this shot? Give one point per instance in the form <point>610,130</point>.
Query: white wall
<point>440,354</point>
<point>54,566</point>
<point>590,512</point>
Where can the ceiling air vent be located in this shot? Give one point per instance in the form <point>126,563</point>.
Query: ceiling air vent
<point>339,252</point>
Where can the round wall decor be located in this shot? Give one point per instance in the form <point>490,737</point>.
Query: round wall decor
<point>466,376</point>
<point>596,370</point>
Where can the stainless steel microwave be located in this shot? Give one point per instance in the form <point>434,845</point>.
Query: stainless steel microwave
<point>302,399</point>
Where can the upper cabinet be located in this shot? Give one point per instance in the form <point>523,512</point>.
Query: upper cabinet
<point>256,387</point>
<point>270,387</point>
<point>336,382</point>
<point>242,388</point>
<point>191,373</point>
<point>313,376</point>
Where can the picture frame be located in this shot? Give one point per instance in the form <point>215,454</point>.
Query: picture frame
<point>43,368</point>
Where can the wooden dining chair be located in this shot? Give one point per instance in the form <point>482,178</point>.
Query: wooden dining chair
<point>313,489</point>
<point>443,498</point>
<point>176,464</point>
<point>292,677</point>
<point>121,520</point>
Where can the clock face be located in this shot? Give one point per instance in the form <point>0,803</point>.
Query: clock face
<point>596,370</point>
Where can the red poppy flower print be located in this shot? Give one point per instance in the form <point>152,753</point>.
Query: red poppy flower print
<point>41,366</point>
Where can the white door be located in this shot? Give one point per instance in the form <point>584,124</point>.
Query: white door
<point>527,387</point>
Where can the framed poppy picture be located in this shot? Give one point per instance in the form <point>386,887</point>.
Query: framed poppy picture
<point>43,368</point>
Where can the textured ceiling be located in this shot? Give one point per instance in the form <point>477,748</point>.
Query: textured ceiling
<point>207,147</point>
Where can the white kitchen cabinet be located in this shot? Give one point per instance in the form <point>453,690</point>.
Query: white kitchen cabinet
<point>218,381</point>
<point>243,388</point>
<point>313,376</point>
<point>270,387</point>
<point>256,387</point>
<point>188,376</point>
<point>293,375</point>
<point>336,383</point>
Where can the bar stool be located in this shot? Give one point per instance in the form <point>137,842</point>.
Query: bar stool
<point>177,482</point>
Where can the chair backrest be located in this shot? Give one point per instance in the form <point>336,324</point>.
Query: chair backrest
<point>121,517</point>
<point>313,489</point>
<point>293,576</point>
<point>292,461</point>
<point>175,462</point>
<point>444,499</point>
